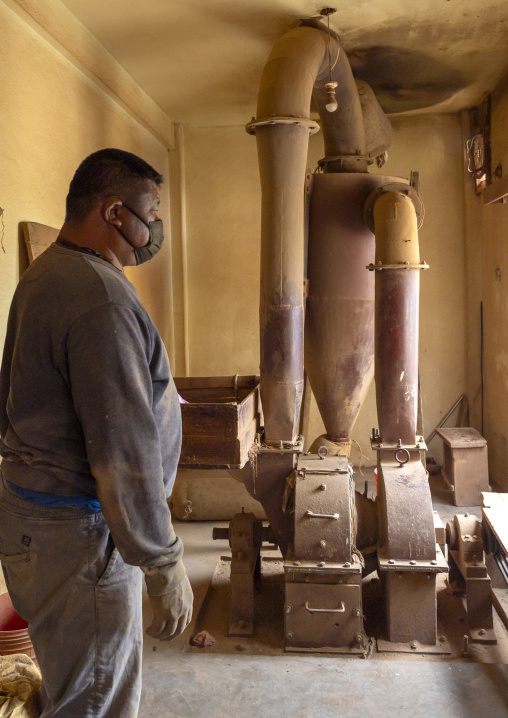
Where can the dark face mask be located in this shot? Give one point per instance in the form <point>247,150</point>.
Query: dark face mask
<point>155,238</point>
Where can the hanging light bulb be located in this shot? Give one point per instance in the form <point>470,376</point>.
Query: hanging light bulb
<point>331,100</point>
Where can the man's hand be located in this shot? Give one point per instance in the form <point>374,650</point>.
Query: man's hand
<point>172,612</point>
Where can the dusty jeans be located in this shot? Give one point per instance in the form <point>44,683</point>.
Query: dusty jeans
<point>82,603</point>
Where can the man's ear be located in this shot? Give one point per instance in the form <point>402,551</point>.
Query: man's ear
<point>110,211</point>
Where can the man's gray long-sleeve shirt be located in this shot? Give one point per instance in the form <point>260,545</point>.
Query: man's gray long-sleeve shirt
<point>87,402</point>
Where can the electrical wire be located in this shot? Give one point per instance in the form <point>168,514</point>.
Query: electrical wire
<point>329,53</point>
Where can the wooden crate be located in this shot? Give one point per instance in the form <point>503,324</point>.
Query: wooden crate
<point>220,421</point>
<point>465,464</point>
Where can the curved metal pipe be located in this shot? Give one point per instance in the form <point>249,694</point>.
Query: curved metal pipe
<point>343,130</point>
<point>282,130</point>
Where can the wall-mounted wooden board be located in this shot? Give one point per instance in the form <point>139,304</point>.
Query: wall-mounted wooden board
<point>38,237</point>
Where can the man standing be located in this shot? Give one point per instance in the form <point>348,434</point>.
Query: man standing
<point>90,429</point>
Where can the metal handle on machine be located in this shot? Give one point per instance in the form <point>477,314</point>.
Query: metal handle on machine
<point>405,458</point>
<point>342,609</point>
<point>312,515</point>
<point>322,452</point>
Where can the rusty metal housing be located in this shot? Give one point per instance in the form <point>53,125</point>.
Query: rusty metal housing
<point>357,322</point>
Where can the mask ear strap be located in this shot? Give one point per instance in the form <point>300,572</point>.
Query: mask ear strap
<point>136,215</point>
<point>126,238</point>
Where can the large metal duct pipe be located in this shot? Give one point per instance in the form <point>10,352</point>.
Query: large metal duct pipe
<point>396,335</point>
<point>377,126</point>
<point>298,62</point>
<point>339,322</point>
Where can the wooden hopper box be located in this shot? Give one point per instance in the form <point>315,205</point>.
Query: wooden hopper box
<point>220,421</point>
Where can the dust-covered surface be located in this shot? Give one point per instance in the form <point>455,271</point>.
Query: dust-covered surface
<point>415,55</point>
<point>224,686</point>
<point>268,620</point>
<point>254,677</point>
<point>268,632</point>
<point>267,638</point>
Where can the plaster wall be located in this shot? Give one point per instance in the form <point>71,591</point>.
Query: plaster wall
<point>223,245</point>
<point>223,210</point>
<point>53,114</point>
<point>494,257</point>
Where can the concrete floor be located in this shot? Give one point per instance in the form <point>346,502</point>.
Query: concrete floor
<point>180,684</point>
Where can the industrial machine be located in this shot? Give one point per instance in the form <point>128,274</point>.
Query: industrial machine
<point>340,273</point>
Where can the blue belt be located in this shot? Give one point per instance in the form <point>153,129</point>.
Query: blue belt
<point>41,499</point>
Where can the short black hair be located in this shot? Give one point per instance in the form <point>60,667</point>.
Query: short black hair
<point>103,174</point>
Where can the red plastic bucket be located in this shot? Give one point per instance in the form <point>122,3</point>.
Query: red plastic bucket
<point>14,636</point>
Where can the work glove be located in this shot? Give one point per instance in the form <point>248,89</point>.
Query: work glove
<point>171,597</point>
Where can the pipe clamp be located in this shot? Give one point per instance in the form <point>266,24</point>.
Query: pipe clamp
<point>312,126</point>
<point>360,158</point>
<point>402,265</point>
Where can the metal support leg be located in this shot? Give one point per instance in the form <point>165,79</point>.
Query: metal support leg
<point>245,537</point>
